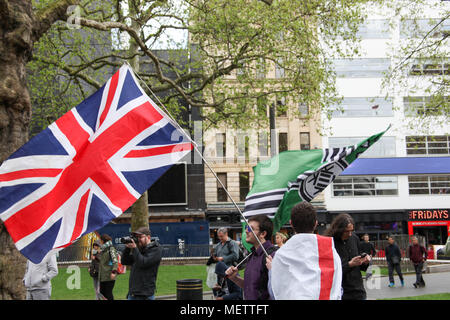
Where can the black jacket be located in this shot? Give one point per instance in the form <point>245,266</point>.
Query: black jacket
<point>352,281</point>
<point>392,250</point>
<point>368,248</point>
<point>144,268</point>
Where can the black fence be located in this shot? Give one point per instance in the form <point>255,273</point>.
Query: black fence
<point>82,253</point>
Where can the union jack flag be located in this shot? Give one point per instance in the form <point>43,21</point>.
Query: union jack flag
<point>87,167</point>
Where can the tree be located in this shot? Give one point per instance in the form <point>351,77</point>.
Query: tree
<point>226,38</point>
<point>20,28</point>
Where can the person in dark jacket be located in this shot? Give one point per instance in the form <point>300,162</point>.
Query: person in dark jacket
<point>144,259</point>
<point>417,255</point>
<point>348,247</point>
<point>234,291</point>
<point>393,258</point>
<point>368,248</point>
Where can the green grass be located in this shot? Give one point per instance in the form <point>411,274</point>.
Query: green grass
<point>64,287</point>
<point>437,296</point>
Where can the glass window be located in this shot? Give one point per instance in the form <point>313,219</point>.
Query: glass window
<point>429,184</point>
<point>434,28</point>
<point>363,107</point>
<point>221,193</point>
<point>361,67</point>
<point>221,150</point>
<point>303,109</point>
<point>304,141</point>
<point>420,106</point>
<point>282,142</point>
<point>374,29</point>
<point>427,145</point>
<point>281,107</point>
<point>244,185</point>
<point>385,147</point>
<point>279,70</point>
<point>263,145</point>
<point>365,186</point>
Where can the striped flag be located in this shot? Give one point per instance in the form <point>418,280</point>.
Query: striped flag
<point>87,167</point>
<point>298,175</point>
<point>307,267</point>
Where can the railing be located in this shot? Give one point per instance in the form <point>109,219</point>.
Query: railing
<point>81,254</point>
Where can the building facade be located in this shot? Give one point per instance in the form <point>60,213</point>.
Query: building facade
<point>402,184</point>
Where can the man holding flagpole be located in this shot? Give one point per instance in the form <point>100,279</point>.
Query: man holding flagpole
<point>256,275</point>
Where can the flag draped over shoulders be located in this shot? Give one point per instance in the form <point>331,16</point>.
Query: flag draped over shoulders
<point>87,167</point>
<point>297,175</point>
<point>311,267</point>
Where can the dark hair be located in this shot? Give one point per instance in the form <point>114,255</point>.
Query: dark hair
<point>339,225</point>
<point>265,224</point>
<point>105,237</point>
<point>303,217</point>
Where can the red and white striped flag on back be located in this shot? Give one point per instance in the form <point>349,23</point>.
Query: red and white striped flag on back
<point>87,167</point>
<point>307,267</point>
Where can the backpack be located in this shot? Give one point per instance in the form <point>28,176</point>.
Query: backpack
<point>93,269</point>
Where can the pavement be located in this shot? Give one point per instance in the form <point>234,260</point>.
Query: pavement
<point>377,287</point>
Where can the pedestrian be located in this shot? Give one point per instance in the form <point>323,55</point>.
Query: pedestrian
<point>37,278</point>
<point>256,275</point>
<point>230,291</point>
<point>108,265</point>
<point>393,258</point>
<point>94,268</point>
<point>353,261</point>
<point>226,250</point>
<point>307,267</point>
<point>280,239</point>
<point>368,248</point>
<point>144,256</point>
<point>418,256</point>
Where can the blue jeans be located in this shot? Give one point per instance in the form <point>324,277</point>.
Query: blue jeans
<point>130,297</point>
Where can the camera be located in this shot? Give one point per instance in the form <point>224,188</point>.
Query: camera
<point>128,239</point>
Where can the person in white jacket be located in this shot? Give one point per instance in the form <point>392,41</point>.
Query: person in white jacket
<point>37,278</point>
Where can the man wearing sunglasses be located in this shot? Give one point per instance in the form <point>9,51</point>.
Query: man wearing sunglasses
<point>256,276</point>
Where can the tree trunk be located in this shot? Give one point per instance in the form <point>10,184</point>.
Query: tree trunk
<point>16,28</point>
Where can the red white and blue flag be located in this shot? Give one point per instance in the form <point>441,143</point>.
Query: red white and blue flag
<point>87,167</point>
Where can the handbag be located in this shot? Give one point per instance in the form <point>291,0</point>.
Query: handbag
<point>395,260</point>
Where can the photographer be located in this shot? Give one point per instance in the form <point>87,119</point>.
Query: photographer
<point>144,257</point>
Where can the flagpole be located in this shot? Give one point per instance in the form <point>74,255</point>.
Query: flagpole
<point>201,155</point>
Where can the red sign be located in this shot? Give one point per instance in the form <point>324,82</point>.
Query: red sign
<point>428,215</point>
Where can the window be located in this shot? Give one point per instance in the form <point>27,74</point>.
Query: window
<point>260,69</point>
<point>282,142</point>
<point>221,193</point>
<point>429,68</point>
<point>279,70</point>
<point>221,149</point>
<point>374,29</point>
<point>363,107</point>
<point>263,145</point>
<point>173,180</point>
<point>281,107</point>
<point>385,147</point>
<point>304,141</point>
<point>361,68</point>
<point>241,143</point>
<point>420,106</point>
<point>365,186</point>
<point>435,28</point>
<point>428,145</point>
<point>244,185</point>
<point>429,184</point>
<point>303,109</point>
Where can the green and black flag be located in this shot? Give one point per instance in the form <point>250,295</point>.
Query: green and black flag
<point>294,176</point>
